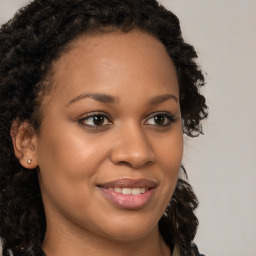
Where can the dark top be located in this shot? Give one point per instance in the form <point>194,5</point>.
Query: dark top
<point>194,248</point>
<point>195,251</point>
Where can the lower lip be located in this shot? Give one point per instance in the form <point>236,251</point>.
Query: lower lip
<point>128,201</point>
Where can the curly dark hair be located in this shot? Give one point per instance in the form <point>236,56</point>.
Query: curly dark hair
<point>29,44</point>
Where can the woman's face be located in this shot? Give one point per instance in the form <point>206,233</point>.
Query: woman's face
<point>110,143</point>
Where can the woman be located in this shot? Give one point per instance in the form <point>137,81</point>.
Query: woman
<point>95,98</point>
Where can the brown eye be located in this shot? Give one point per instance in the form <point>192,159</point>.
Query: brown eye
<point>161,119</point>
<point>95,120</point>
<point>98,120</point>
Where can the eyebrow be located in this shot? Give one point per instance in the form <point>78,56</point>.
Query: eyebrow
<point>101,97</point>
<point>106,98</point>
<point>162,98</point>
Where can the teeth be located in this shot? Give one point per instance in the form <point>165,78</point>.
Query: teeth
<point>129,191</point>
<point>126,191</point>
<point>142,190</point>
<point>119,190</point>
<point>136,191</point>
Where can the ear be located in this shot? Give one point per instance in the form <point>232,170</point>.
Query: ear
<point>24,142</point>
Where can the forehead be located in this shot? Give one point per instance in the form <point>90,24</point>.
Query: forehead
<point>111,59</point>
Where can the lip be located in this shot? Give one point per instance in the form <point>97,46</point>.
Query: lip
<point>130,183</point>
<point>129,201</point>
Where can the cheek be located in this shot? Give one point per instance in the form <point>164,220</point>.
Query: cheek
<point>67,168</point>
<point>66,164</point>
<point>170,157</point>
<point>170,151</point>
<point>65,150</point>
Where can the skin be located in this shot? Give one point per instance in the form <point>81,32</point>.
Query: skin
<point>74,155</point>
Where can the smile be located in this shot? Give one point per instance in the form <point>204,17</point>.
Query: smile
<point>128,193</point>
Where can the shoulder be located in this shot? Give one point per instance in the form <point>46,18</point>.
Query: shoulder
<point>196,251</point>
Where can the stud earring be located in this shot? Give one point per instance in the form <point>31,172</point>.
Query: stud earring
<point>29,161</point>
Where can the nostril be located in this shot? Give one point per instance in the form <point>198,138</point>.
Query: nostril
<point>133,151</point>
<point>135,164</point>
<point>125,163</point>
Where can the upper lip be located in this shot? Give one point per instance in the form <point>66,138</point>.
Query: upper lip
<point>129,183</point>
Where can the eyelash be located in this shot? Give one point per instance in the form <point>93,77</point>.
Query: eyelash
<point>94,115</point>
<point>168,119</point>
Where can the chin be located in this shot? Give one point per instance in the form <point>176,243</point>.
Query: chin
<point>131,228</point>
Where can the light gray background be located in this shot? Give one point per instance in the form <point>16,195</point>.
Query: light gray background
<point>221,164</point>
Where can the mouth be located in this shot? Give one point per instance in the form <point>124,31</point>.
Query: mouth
<point>129,193</point>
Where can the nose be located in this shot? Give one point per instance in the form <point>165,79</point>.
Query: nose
<point>132,148</point>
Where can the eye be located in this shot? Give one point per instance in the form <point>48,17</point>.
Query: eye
<point>95,120</point>
<point>160,119</point>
